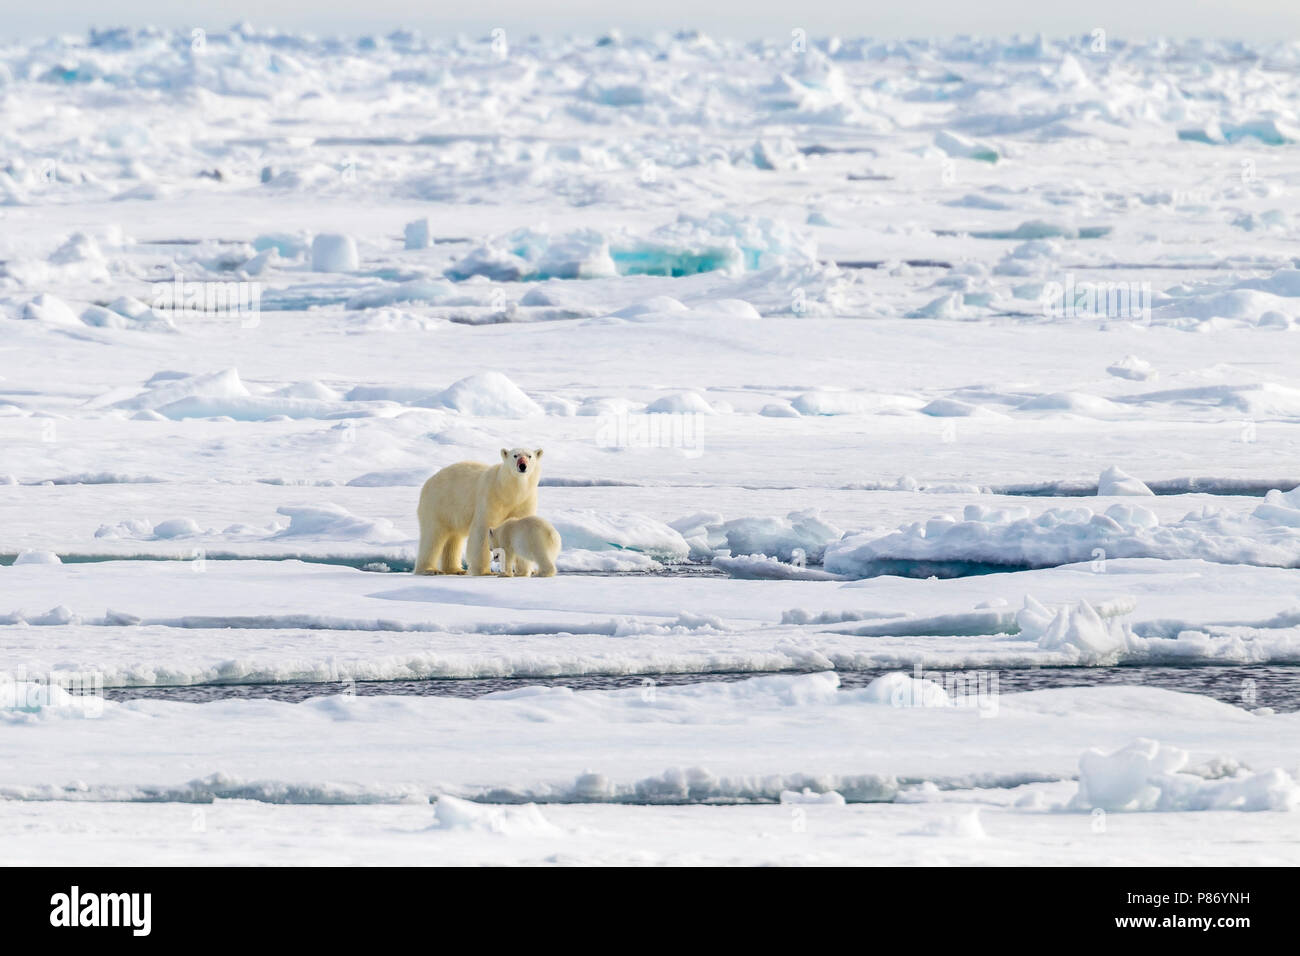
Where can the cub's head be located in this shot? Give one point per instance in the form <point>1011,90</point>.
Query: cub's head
<point>522,460</point>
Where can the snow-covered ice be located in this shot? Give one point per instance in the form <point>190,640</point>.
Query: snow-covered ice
<point>959,354</point>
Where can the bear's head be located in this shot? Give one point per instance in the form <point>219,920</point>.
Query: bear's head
<point>522,460</point>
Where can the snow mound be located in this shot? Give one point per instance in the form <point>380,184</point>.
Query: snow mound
<point>453,813</point>
<point>382,297</point>
<point>162,392</point>
<point>392,478</point>
<point>655,305</point>
<point>829,402</point>
<point>37,557</point>
<point>335,522</point>
<point>176,528</point>
<point>681,403</point>
<point>218,394</point>
<point>51,310</point>
<point>573,560</point>
<point>1148,775</point>
<point>900,690</point>
<point>1075,403</point>
<point>1133,368</point>
<point>43,699</point>
<point>1280,507</point>
<point>590,530</point>
<point>1012,538</point>
<point>962,826</point>
<point>759,567</point>
<point>488,395</point>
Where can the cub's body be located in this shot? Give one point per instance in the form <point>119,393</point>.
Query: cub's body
<point>526,544</point>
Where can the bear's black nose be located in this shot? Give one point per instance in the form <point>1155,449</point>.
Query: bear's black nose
<point>523,465</point>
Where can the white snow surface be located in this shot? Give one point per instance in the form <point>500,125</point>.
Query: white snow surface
<point>868,355</point>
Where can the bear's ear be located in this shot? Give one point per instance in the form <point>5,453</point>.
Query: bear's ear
<point>537,453</point>
<point>505,453</point>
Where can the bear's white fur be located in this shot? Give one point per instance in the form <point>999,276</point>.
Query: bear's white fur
<point>527,544</point>
<point>465,500</point>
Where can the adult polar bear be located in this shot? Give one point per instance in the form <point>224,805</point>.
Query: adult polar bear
<point>465,500</point>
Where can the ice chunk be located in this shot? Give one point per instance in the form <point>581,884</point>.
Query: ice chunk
<point>261,262</point>
<point>37,557</point>
<point>416,234</point>
<point>775,155</point>
<point>79,247</point>
<point>288,245</point>
<point>899,690</point>
<point>802,531</point>
<point>1081,631</point>
<point>456,814</point>
<point>333,252</point>
<point>51,310</point>
<point>580,255</point>
<point>720,241</point>
<point>1133,368</point>
<point>807,796</point>
<point>1148,775</point>
<point>760,567</point>
<point>959,146</point>
<point>1116,482</point>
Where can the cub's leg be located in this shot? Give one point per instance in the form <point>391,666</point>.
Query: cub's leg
<point>546,568</point>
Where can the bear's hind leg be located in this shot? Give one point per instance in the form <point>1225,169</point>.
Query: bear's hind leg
<point>546,568</point>
<point>427,555</point>
<point>449,556</point>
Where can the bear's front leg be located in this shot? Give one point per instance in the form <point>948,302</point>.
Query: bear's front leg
<point>477,555</point>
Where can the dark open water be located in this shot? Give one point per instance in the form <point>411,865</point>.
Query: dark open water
<point>1244,685</point>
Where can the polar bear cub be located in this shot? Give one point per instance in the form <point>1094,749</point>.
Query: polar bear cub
<point>526,544</point>
<point>466,499</point>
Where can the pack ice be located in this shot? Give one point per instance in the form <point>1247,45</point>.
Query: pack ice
<point>859,355</point>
